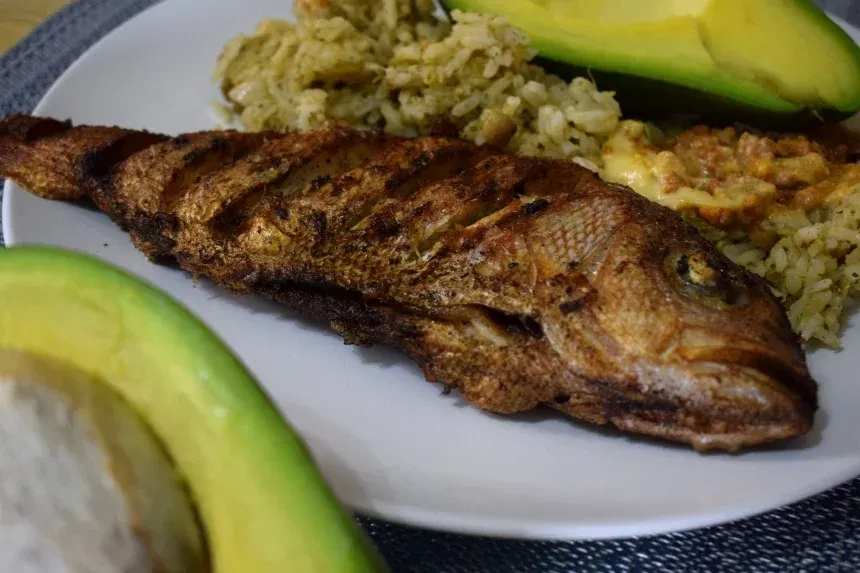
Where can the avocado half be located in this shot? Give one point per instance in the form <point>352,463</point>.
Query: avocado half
<point>773,63</point>
<point>262,502</point>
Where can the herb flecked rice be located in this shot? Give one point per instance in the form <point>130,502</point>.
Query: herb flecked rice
<point>392,64</point>
<point>814,267</point>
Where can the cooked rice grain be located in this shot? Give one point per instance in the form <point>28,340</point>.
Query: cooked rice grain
<point>399,68</point>
<point>814,266</point>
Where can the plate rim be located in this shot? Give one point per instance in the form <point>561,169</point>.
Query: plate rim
<point>469,524</point>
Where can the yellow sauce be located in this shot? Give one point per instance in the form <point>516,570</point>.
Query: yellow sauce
<point>724,176</point>
<point>630,158</point>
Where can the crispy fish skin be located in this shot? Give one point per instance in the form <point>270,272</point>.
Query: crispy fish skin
<point>518,281</point>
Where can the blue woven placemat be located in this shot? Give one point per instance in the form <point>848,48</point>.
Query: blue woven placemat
<point>819,534</point>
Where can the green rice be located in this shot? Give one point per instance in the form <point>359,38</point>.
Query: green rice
<point>814,267</point>
<point>395,66</point>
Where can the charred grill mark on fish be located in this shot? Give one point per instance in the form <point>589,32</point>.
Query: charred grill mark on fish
<point>517,281</point>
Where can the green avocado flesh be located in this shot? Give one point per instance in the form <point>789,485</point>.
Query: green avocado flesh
<point>263,505</point>
<point>772,57</point>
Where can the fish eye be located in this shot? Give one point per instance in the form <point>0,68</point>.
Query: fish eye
<point>699,276</point>
<point>697,270</point>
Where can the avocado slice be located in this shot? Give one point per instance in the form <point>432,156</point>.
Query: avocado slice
<point>262,502</point>
<point>769,62</point>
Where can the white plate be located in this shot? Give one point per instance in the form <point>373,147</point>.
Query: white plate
<point>391,444</point>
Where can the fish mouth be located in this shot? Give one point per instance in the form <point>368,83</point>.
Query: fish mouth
<point>719,436</point>
<point>719,396</point>
<point>781,365</point>
<point>715,406</point>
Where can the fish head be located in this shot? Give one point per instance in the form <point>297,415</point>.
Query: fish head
<point>690,343</point>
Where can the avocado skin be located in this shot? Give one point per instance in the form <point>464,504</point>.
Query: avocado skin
<point>262,502</point>
<point>653,99</point>
<point>648,98</point>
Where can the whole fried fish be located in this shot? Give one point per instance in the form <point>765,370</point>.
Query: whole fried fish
<point>518,281</point>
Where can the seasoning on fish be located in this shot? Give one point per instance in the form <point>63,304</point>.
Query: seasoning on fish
<point>519,282</point>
